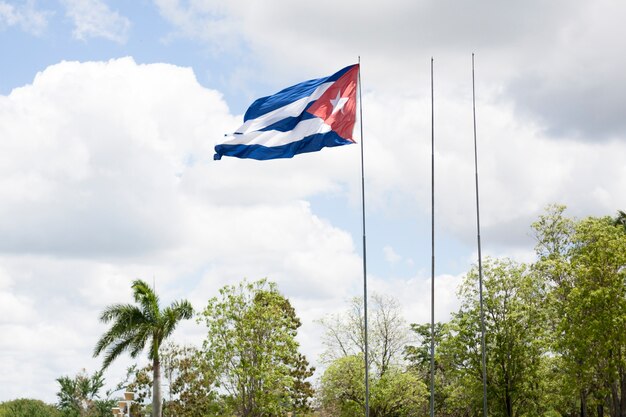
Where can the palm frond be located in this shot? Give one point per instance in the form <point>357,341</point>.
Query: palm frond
<point>115,349</point>
<point>177,311</point>
<point>140,339</point>
<point>113,311</point>
<point>135,326</point>
<point>146,298</point>
<point>122,313</point>
<point>127,321</point>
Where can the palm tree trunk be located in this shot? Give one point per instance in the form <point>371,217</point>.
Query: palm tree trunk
<point>156,387</point>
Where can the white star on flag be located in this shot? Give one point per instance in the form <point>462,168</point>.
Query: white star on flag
<point>338,103</point>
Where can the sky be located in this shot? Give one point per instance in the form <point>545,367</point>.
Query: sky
<point>110,109</point>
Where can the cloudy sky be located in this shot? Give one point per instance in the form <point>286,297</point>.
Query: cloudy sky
<point>110,109</point>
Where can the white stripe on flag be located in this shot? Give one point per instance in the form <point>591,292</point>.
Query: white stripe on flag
<point>274,138</point>
<point>292,109</point>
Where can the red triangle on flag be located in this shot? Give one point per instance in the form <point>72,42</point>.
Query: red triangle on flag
<point>337,106</point>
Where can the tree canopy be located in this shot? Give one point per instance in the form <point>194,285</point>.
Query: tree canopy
<point>26,407</point>
<point>252,349</point>
<point>555,339</point>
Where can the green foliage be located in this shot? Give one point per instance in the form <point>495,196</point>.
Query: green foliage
<point>418,358</point>
<point>102,408</point>
<point>79,392</point>
<point>395,394</point>
<point>393,390</point>
<point>555,337</point>
<point>190,381</point>
<point>135,327</point>
<point>342,387</point>
<point>419,355</point>
<point>587,308</point>
<point>190,390</point>
<point>514,341</point>
<point>589,299</point>
<point>25,407</point>
<point>620,219</point>
<point>139,381</point>
<point>80,396</point>
<point>252,350</point>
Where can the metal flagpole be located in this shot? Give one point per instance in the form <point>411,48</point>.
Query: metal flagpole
<point>432,266</point>
<point>367,384</point>
<point>480,266</point>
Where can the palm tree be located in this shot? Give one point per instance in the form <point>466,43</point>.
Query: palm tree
<point>136,326</point>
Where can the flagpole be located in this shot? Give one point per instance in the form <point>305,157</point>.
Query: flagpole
<point>432,266</point>
<point>366,352</point>
<point>480,266</point>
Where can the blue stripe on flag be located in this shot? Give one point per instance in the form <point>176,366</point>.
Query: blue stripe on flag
<point>311,143</point>
<point>288,95</point>
<point>288,123</point>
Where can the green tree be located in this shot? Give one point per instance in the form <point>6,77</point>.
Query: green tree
<point>397,393</point>
<point>252,349</point>
<point>135,327</point>
<point>595,310</point>
<point>191,383</point>
<point>80,396</point>
<point>418,358</point>
<point>515,341</point>
<point>342,387</point>
<point>26,407</point>
<point>587,274</point>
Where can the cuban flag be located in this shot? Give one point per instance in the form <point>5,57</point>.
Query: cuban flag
<point>302,118</point>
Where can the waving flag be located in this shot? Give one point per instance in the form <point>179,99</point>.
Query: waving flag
<point>302,118</point>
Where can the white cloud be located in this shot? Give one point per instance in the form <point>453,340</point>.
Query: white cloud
<point>26,16</point>
<point>14,309</point>
<point>390,255</point>
<point>94,19</point>
<point>212,22</point>
<point>96,157</point>
<point>576,88</point>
